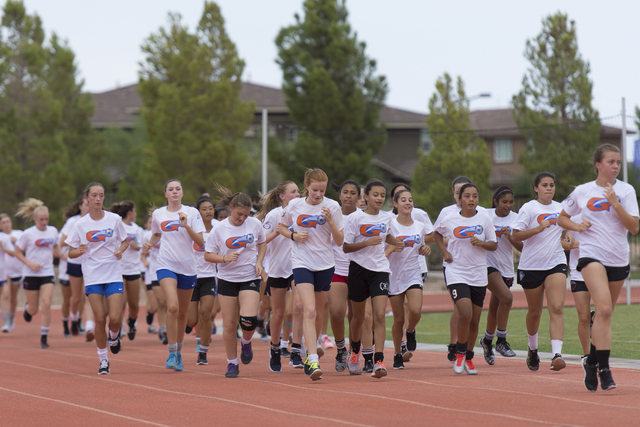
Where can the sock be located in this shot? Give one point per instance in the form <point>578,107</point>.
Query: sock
<point>6,318</point>
<point>204,348</point>
<point>556,347</point>
<point>114,335</point>
<point>197,339</point>
<point>502,335</point>
<point>260,317</point>
<point>533,341</point>
<point>378,357</point>
<point>368,354</point>
<point>592,358</point>
<point>232,361</point>
<point>313,358</point>
<point>340,344</point>
<point>243,341</point>
<point>131,322</point>
<point>179,346</point>
<point>295,348</point>
<point>173,348</point>
<point>90,325</point>
<point>149,318</point>
<point>12,317</point>
<point>284,344</point>
<point>488,337</point>
<point>461,347</point>
<point>355,347</point>
<point>603,358</point>
<point>74,316</point>
<point>275,347</point>
<point>44,330</point>
<point>470,354</point>
<point>403,343</point>
<point>64,319</point>
<point>103,354</point>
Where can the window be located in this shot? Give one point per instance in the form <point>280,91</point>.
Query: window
<point>425,141</point>
<point>503,151</point>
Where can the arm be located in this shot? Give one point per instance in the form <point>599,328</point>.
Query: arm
<point>221,259</point>
<point>121,249</point>
<point>269,237</point>
<point>441,245</point>
<point>429,238</point>
<point>35,267</point>
<point>517,245</point>
<point>564,221</point>
<point>629,222</point>
<point>354,247</point>
<point>56,251</point>
<point>338,235</point>
<point>155,238</point>
<point>196,237</point>
<point>7,251</point>
<point>522,235</point>
<point>63,237</point>
<point>262,250</point>
<point>143,258</point>
<point>488,246</point>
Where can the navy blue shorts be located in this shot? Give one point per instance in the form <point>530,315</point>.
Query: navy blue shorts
<point>321,280</point>
<point>74,270</point>
<point>184,282</point>
<point>65,283</point>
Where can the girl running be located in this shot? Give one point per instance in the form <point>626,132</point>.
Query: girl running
<point>237,244</point>
<point>471,233</point>
<point>315,220</point>
<point>180,227</point>
<point>609,210</point>
<point>543,267</point>
<point>102,237</point>
<point>406,272</point>
<point>500,275</point>
<point>150,260</point>
<point>36,248</point>
<point>369,271</point>
<point>13,270</point>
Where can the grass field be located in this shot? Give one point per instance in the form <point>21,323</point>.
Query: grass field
<point>434,329</point>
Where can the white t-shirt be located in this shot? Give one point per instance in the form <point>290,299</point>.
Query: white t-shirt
<point>606,239</point>
<point>405,265</point>
<point>469,264</point>
<point>362,227</point>
<point>423,217</point>
<point>102,238</point>
<point>342,260</point>
<point>542,251</point>
<point>5,239</point>
<point>574,254</point>
<point>205,268</point>
<point>150,274</point>
<point>62,264</point>
<point>316,254</point>
<point>227,238</point>
<point>66,229</point>
<point>130,263</point>
<point>12,264</point>
<point>277,262</point>
<point>448,210</point>
<point>37,247</point>
<point>502,258</point>
<point>176,251</point>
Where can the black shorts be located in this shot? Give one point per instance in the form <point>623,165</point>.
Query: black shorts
<point>414,287</point>
<point>130,277</point>
<point>155,283</point>
<point>614,274</point>
<point>278,283</point>
<point>149,287</point>
<point>578,286</point>
<point>507,280</point>
<point>364,283</point>
<point>16,279</point>
<point>64,283</point>
<point>232,289</point>
<point>532,279</point>
<point>74,270</point>
<point>204,286</point>
<point>34,283</point>
<point>461,290</point>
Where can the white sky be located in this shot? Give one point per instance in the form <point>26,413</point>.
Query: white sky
<point>414,41</point>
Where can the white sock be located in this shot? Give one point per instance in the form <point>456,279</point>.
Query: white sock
<point>284,344</point>
<point>103,354</point>
<point>114,335</point>
<point>44,330</point>
<point>556,347</point>
<point>232,361</point>
<point>533,341</point>
<point>243,341</point>
<point>313,358</point>
<point>74,316</point>
<point>89,325</point>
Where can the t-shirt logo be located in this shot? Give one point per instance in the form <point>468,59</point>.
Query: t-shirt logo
<point>499,232</point>
<point>410,241</point>
<point>198,248</point>
<point>99,235</point>
<point>44,243</point>
<point>131,237</point>
<point>598,204</point>
<point>466,232</point>
<point>310,221</point>
<point>552,218</point>
<point>239,241</point>
<point>370,230</point>
<point>172,225</point>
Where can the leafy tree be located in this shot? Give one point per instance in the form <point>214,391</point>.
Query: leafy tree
<point>455,150</point>
<point>553,108</point>
<point>332,93</point>
<point>190,86</point>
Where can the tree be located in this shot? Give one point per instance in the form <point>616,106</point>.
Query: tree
<point>332,93</point>
<point>553,108</point>
<point>455,150</point>
<point>190,87</point>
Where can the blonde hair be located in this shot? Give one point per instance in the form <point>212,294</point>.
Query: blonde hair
<point>272,199</point>
<point>28,208</point>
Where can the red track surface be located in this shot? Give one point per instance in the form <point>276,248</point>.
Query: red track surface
<point>60,387</point>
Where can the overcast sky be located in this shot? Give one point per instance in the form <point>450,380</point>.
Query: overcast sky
<point>413,41</point>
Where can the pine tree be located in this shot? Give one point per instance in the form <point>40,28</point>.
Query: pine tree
<point>553,108</point>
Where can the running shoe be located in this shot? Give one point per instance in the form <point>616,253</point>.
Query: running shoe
<point>25,314</point>
<point>5,329</point>
<point>264,337</point>
<point>533,361</point>
<point>132,329</point>
<point>171,361</point>
<point>284,352</point>
<point>451,353</point>
<point>489,357</point>
<point>202,359</point>
<point>606,380</point>
<point>104,367</point>
<point>319,351</point>
<point>557,363</point>
<point>590,375</point>
<point>307,366</point>
<point>43,342</point>
<point>198,347</point>
<point>379,370</point>
<point>179,366</point>
<point>214,329</point>
<point>12,325</point>
<point>368,365</point>
<point>458,363</point>
<point>315,373</point>
<point>162,335</point>
<point>341,360</point>
<point>295,360</point>
<point>503,347</point>
<point>188,329</point>
<point>398,362</point>
<point>246,356</point>
<point>152,329</point>
<point>115,345</point>
<point>411,341</point>
<point>275,364</point>
<point>353,363</point>
<point>469,367</point>
<point>232,371</point>
<point>406,354</point>
<point>89,336</point>
<point>326,342</point>
<point>65,327</point>
<point>75,330</point>
<point>260,327</point>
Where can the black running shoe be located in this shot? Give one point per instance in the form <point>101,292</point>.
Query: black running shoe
<point>487,346</point>
<point>43,342</point>
<point>368,365</point>
<point>246,354</point>
<point>232,371</point>
<point>104,368</point>
<point>533,361</point>
<point>114,345</point>
<point>397,361</point>
<point>590,375</point>
<point>275,365</point>
<point>451,353</point>
<point>307,366</point>
<point>606,380</point>
<point>149,318</point>
<point>202,359</point>
<point>260,327</point>
<point>295,360</point>
<point>267,328</point>
<point>284,352</point>
<point>65,326</point>
<point>341,360</point>
<point>26,315</point>
<point>188,329</point>
<point>75,330</point>
<point>411,341</point>
<point>406,354</point>
<point>132,328</point>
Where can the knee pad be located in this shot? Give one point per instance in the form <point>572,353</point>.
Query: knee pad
<point>252,321</point>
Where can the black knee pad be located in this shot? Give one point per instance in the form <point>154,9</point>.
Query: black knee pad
<point>251,320</point>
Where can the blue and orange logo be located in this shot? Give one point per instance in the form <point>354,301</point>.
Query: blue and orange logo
<point>370,230</point>
<point>499,232</point>
<point>240,241</point>
<point>198,248</point>
<point>552,218</point>
<point>172,225</point>
<point>598,204</point>
<point>99,235</point>
<point>131,237</point>
<point>44,243</point>
<point>410,241</point>
<point>466,232</point>
<point>310,221</point>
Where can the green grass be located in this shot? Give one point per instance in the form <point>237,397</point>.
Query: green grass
<point>434,329</point>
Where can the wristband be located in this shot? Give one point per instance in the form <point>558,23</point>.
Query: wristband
<point>223,261</point>
<point>292,233</point>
